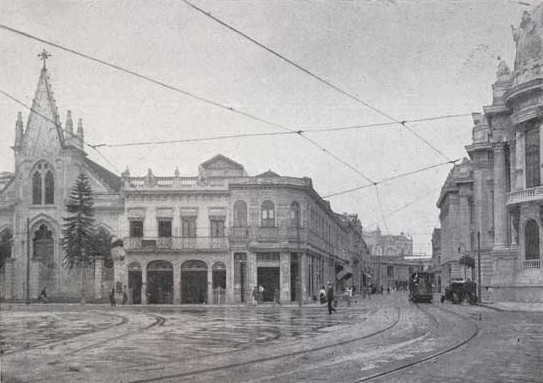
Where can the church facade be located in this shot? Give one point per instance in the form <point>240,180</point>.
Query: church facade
<point>208,239</point>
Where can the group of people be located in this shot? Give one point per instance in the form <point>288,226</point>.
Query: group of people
<point>258,295</point>
<point>326,295</point>
<point>112,299</point>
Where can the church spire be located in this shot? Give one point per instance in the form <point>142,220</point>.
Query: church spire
<point>43,127</point>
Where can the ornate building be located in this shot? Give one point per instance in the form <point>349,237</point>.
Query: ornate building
<point>506,166</point>
<point>389,245</point>
<point>47,162</point>
<point>208,238</point>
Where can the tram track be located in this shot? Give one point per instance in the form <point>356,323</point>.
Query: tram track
<point>123,320</point>
<point>271,358</point>
<point>432,356</point>
<point>159,321</point>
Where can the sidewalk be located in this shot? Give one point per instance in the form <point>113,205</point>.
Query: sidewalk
<point>514,306</point>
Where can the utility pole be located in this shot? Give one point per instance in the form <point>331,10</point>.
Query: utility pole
<point>479,265</point>
<point>28,261</point>
<point>299,260</point>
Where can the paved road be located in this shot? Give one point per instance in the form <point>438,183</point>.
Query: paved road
<point>282,344</point>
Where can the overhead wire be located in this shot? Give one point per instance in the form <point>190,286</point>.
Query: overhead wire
<point>390,178</point>
<point>278,133</point>
<point>410,203</point>
<point>315,76</point>
<point>176,89</point>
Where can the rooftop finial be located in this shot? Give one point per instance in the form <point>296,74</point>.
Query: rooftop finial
<point>69,123</point>
<point>44,55</point>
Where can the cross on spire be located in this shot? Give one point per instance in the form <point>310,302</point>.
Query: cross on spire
<point>44,55</point>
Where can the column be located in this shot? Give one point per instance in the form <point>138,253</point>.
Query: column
<point>284,277</point>
<point>8,282</point>
<point>98,278</point>
<point>464,222</point>
<point>176,283</point>
<point>144,299</point>
<point>519,160</point>
<point>230,285</point>
<point>540,153</point>
<point>500,213</point>
<point>251,272</point>
<point>209,285</point>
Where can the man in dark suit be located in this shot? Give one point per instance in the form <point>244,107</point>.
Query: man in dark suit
<point>330,298</point>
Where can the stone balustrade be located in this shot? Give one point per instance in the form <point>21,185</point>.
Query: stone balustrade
<point>525,195</point>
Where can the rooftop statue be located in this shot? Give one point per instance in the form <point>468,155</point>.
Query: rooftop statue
<point>503,72</point>
<point>528,39</point>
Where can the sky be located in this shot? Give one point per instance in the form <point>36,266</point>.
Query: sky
<point>409,59</point>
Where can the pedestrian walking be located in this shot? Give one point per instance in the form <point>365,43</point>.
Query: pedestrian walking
<point>349,295</point>
<point>276,298</point>
<point>125,296</point>
<point>112,298</point>
<point>260,294</point>
<point>381,290</point>
<point>254,293</point>
<point>330,297</point>
<point>43,296</point>
<point>322,295</point>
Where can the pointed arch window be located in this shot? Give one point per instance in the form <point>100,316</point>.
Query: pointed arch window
<point>36,188</point>
<point>49,188</point>
<point>43,185</point>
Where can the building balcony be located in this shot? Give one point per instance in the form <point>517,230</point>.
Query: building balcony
<point>531,264</point>
<point>267,234</point>
<point>526,195</point>
<point>240,234</point>
<point>176,243</point>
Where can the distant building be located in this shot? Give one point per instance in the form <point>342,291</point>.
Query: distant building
<point>389,245</point>
<point>208,238</point>
<point>457,218</point>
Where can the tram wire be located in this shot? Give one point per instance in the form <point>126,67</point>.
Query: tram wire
<point>315,76</point>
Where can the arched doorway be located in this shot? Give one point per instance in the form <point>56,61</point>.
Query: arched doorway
<point>531,236</point>
<point>43,249</point>
<point>134,283</point>
<point>194,282</point>
<point>219,283</point>
<point>44,244</point>
<point>160,282</point>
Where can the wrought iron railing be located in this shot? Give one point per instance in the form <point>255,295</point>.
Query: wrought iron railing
<point>531,264</point>
<point>176,243</point>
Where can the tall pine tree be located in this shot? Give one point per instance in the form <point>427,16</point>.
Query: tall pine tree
<point>79,232</point>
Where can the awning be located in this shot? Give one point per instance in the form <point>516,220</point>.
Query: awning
<point>467,260</point>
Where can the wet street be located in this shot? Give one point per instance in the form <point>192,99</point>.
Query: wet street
<point>383,339</point>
